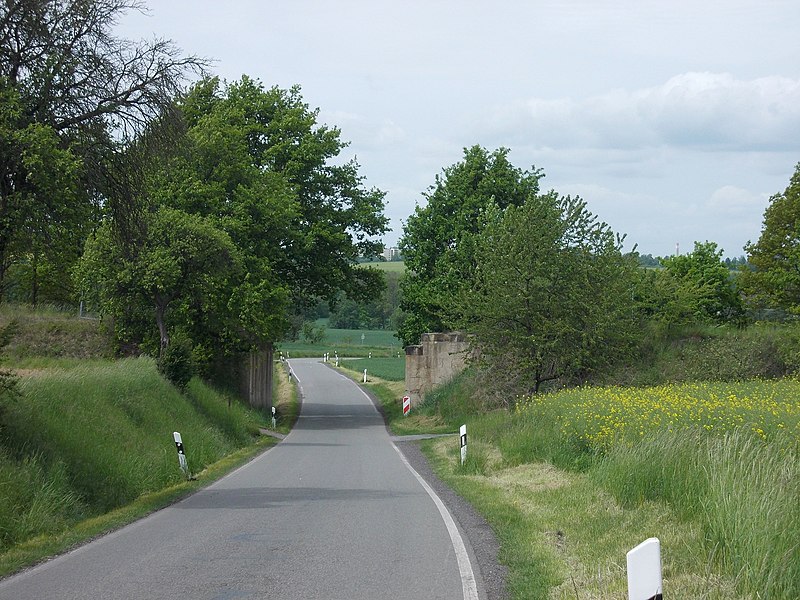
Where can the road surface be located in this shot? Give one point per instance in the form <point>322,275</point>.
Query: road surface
<point>333,512</point>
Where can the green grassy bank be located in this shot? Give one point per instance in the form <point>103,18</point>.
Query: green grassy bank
<point>86,439</point>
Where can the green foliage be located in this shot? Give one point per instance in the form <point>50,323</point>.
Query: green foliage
<point>551,297</point>
<point>182,268</point>
<point>176,362</point>
<point>241,223</point>
<point>43,215</point>
<point>380,313</point>
<point>313,334</point>
<point>347,315</point>
<point>258,159</point>
<point>437,242</point>
<point>703,284</point>
<point>71,95</point>
<point>703,353</point>
<point>774,280</point>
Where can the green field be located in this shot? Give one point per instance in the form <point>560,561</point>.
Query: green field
<point>391,369</point>
<point>396,266</point>
<point>347,343</point>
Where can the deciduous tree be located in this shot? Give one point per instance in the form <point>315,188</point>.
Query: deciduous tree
<point>438,239</point>
<point>552,294</point>
<point>705,283</point>
<point>71,94</point>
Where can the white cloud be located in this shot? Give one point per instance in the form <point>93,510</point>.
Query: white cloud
<point>732,199</point>
<point>702,110</point>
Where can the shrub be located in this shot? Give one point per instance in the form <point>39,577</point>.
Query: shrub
<point>176,362</point>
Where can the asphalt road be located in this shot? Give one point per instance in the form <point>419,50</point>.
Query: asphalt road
<point>333,512</point>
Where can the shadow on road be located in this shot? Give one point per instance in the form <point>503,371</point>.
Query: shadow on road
<point>266,497</point>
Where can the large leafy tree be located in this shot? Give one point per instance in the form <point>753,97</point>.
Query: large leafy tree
<point>775,257</point>
<point>71,94</point>
<point>253,168</point>
<point>552,294</point>
<point>43,219</point>
<point>438,239</point>
<point>260,163</point>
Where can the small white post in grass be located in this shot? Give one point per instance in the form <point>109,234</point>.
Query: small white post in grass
<point>406,405</point>
<point>365,376</point>
<point>181,454</point>
<point>462,432</point>
<point>337,361</point>
<point>644,571</point>
<point>370,354</point>
<point>273,417</point>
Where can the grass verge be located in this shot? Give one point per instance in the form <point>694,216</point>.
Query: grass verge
<point>389,394</point>
<point>710,469</point>
<point>563,536</point>
<point>44,546</point>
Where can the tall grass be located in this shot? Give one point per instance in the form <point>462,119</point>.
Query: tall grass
<point>723,456</point>
<point>744,492</point>
<point>51,332</point>
<point>97,436</point>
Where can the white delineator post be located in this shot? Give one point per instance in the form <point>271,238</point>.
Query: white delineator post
<point>462,432</point>
<point>273,417</point>
<point>644,571</point>
<point>365,376</point>
<point>181,454</point>
<point>406,405</point>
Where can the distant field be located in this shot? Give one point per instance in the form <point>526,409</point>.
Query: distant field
<point>393,266</point>
<point>347,342</point>
<point>391,369</point>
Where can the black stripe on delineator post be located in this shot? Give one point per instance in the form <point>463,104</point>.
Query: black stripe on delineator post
<point>656,597</point>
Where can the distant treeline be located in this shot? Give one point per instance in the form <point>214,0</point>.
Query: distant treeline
<point>654,262</point>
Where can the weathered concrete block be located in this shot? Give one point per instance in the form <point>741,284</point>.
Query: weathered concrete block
<point>436,360</point>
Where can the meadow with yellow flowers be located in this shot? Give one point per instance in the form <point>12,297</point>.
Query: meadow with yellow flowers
<point>722,457</point>
<point>604,417</point>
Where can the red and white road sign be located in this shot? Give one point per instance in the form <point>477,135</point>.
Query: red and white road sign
<point>406,405</point>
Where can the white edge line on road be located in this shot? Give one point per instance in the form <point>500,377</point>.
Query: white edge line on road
<point>468,583</point>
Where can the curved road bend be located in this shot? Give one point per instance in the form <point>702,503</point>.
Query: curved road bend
<point>333,512</point>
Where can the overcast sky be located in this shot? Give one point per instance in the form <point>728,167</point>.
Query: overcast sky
<point>675,120</point>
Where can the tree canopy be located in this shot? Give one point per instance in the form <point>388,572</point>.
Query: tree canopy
<point>438,239</point>
<point>242,222</point>
<point>551,296</point>
<point>704,285</point>
<point>71,93</point>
